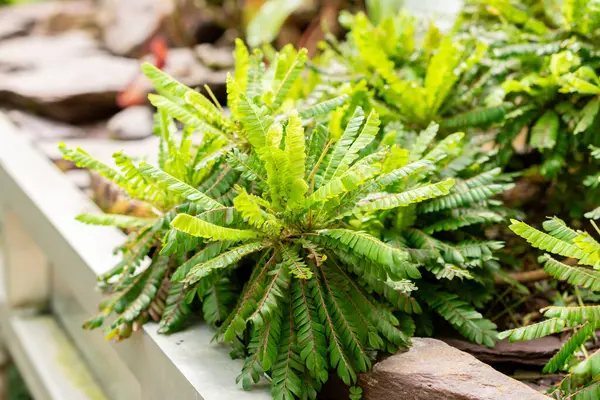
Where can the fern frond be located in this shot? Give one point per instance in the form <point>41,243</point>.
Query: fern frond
<point>461,198</point>
<point>217,294</point>
<point>579,276</point>
<point>422,142</point>
<point>557,228</point>
<point>350,331</point>
<point>470,217</point>
<point>588,393</point>
<point>118,220</point>
<point>139,186</point>
<point>589,367</point>
<point>287,383</point>
<point>177,187</point>
<point>252,369</point>
<point>364,138</point>
<point>294,263</point>
<point>221,261</point>
<point>545,242</point>
<point>449,271</point>
<point>209,251</point>
<point>338,358</point>
<point>573,315</point>
<point>147,294</point>
<point>375,312</point>
<point>558,361</point>
<point>84,160</point>
<point>176,309</point>
<point>388,179</point>
<point>343,145</point>
<point>248,165</point>
<point>256,122</point>
<point>446,146</point>
<point>197,227</point>
<point>291,76</point>
<point>323,108</point>
<point>462,316</point>
<point>182,113</point>
<point>251,209</point>
<point>475,118</point>
<point>310,330</point>
<point>534,331</point>
<point>175,91</point>
<point>275,290</point>
<point>369,247</point>
<point>352,179</point>
<point>387,201</point>
<point>296,154</point>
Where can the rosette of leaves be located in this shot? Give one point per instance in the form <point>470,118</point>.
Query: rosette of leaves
<point>572,256</point>
<point>445,235</point>
<point>440,78</point>
<point>553,84</point>
<point>139,287</point>
<point>320,294</point>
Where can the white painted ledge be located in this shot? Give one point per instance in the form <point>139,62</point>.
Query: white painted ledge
<point>51,366</point>
<point>147,366</point>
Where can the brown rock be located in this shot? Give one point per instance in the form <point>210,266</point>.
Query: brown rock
<point>433,370</point>
<point>535,352</point>
<point>71,15</point>
<point>30,52</point>
<point>191,23</point>
<point>129,25</point>
<point>78,90</point>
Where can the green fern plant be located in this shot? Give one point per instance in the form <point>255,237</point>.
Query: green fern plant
<point>439,80</point>
<point>550,49</point>
<point>579,268</point>
<point>320,294</point>
<point>444,235</point>
<point>139,287</point>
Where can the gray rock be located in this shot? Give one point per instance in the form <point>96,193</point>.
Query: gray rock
<point>30,52</point>
<point>40,128</point>
<point>81,85</point>
<point>78,90</point>
<point>433,370</point>
<point>132,123</point>
<point>128,25</point>
<point>48,17</point>
<point>215,57</point>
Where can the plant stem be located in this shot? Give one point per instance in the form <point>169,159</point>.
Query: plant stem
<point>510,308</point>
<point>523,277</point>
<point>581,304</point>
